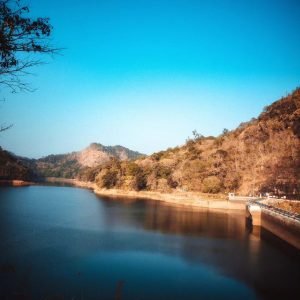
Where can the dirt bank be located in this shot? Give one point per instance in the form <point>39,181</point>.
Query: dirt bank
<point>178,198</point>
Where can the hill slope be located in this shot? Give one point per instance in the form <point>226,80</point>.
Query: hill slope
<point>262,155</point>
<point>12,168</point>
<point>68,165</point>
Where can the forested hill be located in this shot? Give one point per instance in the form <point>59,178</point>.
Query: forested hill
<point>262,155</point>
<point>61,165</point>
<point>12,167</point>
<point>68,165</point>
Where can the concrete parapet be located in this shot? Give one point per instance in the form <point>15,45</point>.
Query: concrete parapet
<point>253,211</point>
<point>287,229</point>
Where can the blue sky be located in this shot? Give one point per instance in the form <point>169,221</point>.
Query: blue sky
<point>144,74</point>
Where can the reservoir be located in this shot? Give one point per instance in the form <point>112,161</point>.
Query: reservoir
<point>68,243</point>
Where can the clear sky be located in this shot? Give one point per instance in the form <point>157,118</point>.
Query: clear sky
<point>145,73</point>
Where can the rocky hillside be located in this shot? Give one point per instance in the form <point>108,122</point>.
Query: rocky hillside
<point>11,168</point>
<point>68,165</point>
<point>262,155</point>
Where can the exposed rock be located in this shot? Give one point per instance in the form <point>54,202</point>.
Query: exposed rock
<point>69,165</point>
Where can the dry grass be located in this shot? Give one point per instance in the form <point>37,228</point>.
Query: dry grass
<point>290,206</point>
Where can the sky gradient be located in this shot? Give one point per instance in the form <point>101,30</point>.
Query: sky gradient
<point>144,74</point>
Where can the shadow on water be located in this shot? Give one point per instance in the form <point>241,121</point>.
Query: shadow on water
<point>62,243</point>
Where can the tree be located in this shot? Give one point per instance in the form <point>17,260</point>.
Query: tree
<point>110,179</point>
<point>211,184</point>
<point>140,181</point>
<point>21,39</point>
<point>4,127</point>
<point>225,131</point>
<point>197,136</point>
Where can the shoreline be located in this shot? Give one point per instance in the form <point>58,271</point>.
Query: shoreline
<point>187,199</point>
<point>180,199</point>
<point>184,199</point>
<point>15,183</point>
<point>279,226</point>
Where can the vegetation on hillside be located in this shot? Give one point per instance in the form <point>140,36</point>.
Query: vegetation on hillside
<point>60,166</point>
<point>69,165</point>
<point>262,155</point>
<point>12,168</point>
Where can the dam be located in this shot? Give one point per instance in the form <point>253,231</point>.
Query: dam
<point>282,223</point>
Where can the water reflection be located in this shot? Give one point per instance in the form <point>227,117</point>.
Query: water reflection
<point>224,240</point>
<point>170,219</point>
<point>175,220</point>
<point>67,241</point>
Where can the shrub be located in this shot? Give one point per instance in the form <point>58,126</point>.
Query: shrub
<point>232,181</point>
<point>172,183</point>
<point>140,181</point>
<point>162,172</point>
<point>193,153</point>
<point>197,166</point>
<point>189,144</point>
<point>211,184</point>
<point>219,141</point>
<point>158,155</point>
<point>109,179</point>
<point>132,169</point>
<point>88,174</point>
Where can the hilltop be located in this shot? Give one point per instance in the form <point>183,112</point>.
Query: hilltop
<point>68,165</point>
<point>262,155</point>
<point>61,165</point>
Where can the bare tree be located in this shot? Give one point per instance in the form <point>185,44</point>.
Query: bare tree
<point>4,127</point>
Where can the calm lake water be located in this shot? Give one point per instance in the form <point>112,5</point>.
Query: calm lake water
<point>67,243</point>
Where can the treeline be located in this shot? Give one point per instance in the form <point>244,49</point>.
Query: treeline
<point>179,168</point>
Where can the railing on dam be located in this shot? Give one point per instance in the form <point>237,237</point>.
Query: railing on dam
<point>272,208</point>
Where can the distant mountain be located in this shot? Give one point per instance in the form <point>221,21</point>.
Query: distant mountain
<point>96,154</point>
<point>68,165</point>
